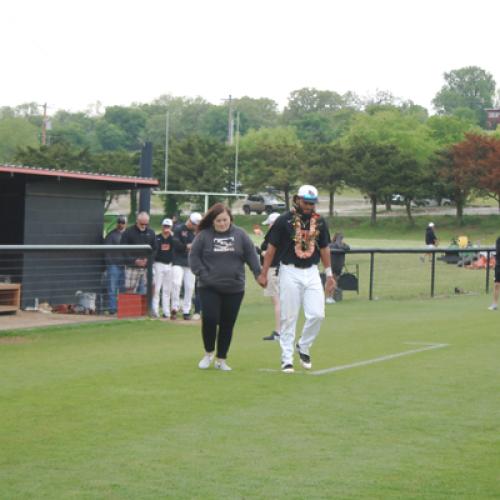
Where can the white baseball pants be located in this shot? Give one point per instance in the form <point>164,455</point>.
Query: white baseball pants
<point>182,275</point>
<point>162,279</point>
<point>299,287</point>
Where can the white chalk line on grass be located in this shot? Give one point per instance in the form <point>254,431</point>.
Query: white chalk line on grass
<point>387,357</point>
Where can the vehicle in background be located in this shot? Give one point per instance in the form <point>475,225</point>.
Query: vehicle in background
<point>397,199</point>
<point>263,202</point>
<point>431,202</point>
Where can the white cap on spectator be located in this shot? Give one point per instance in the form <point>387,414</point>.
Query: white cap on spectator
<point>431,224</point>
<point>167,222</point>
<point>195,218</point>
<point>271,218</point>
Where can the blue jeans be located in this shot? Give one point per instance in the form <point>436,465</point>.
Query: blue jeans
<point>115,281</point>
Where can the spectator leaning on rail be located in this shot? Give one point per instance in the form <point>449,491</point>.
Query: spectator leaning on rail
<point>181,274</point>
<point>115,273</point>
<point>217,258</point>
<point>136,266</point>
<point>162,270</point>
<point>496,289</point>
<point>301,238</point>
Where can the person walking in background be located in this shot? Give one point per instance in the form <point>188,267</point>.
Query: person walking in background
<point>136,275</point>
<point>300,237</point>
<point>218,257</point>
<point>272,287</point>
<point>431,240</point>
<point>162,270</point>
<point>496,289</point>
<point>338,260</point>
<point>181,273</point>
<point>115,270</point>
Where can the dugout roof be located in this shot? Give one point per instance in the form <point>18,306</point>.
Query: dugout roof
<point>107,181</point>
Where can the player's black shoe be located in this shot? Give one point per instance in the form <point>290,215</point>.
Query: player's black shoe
<point>305,359</point>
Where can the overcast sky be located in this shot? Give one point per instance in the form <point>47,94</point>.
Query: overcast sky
<point>71,53</point>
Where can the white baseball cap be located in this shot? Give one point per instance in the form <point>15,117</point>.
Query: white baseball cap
<point>167,222</point>
<point>431,224</point>
<point>271,218</point>
<point>308,193</point>
<point>195,218</point>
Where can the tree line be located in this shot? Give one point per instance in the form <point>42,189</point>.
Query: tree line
<point>380,145</point>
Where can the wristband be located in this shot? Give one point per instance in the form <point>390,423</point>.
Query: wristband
<point>328,272</point>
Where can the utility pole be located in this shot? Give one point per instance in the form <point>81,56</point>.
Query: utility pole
<point>230,123</point>
<point>167,126</point>
<point>44,125</point>
<point>236,151</point>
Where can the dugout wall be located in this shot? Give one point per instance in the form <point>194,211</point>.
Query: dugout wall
<point>51,207</point>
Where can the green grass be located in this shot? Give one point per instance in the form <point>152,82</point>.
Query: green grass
<point>121,410</point>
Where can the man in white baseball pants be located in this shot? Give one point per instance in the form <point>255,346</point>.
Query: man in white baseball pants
<point>301,238</point>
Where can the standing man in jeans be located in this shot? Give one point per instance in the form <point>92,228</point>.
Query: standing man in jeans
<point>301,238</point>
<point>136,266</point>
<point>115,272</point>
<point>181,273</point>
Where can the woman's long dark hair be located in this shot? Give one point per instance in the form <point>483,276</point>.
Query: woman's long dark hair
<point>213,212</point>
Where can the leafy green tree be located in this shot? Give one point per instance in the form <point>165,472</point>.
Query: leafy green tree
<point>412,145</point>
<point>16,132</point>
<point>256,113</point>
<point>371,166</point>
<point>130,121</point>
<point>271,157</point>
<point>110,136</point>
<point>324,127</point>
<point>311,100</point>
<point>470,87</point>
<point>327,167</point>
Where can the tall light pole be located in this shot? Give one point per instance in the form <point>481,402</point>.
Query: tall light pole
<point>167,126</point>
<point>236,151</point>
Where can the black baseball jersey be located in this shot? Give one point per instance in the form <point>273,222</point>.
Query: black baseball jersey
<point>164,248</point>
<point>282,236</point>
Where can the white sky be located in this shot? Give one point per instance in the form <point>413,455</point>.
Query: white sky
<point>71,53</point>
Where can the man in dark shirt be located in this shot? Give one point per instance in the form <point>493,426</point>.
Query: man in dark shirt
<point>301,239</point>
<point>162,270</point>
<point>136,266</point>
<point>115,272</point>
<point>181,273</point>
<point>431,240</point>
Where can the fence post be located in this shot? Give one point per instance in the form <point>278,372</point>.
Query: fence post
<point>372,259</point>
<point>488,271</point>
<point>433,272</point>
<point>149,288</point>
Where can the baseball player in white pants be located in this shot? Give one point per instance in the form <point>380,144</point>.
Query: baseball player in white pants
<point>301,239</point>
<point>182,275</point>
<point>162,270</point>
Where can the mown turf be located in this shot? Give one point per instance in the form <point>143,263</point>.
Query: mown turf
<point>122,411</point>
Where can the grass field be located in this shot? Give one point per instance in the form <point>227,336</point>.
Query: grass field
<point>121,410</point>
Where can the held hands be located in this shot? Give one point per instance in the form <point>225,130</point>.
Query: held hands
<point>262,280</point>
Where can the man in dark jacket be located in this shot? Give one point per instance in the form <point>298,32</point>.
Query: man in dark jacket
<point>136,265</point>
<point>431,240</point>
<point>115,273</point>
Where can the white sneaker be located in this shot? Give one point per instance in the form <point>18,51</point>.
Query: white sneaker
<point>206,361</point>
<point>330,300</point>
<point>493,307</point>
<point>221,364</point>
<point>195,317</point>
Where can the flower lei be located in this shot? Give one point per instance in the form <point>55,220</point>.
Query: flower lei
<point>305,241</point>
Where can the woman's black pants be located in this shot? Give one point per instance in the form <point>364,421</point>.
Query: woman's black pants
<point>218,310</point>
